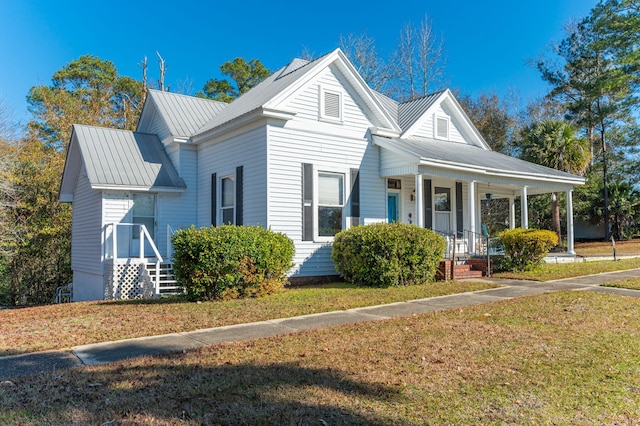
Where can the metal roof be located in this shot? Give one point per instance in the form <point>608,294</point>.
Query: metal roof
<point>260,94</point>
<point>117,158</point>
<point>185,114</point>
<point>473,158</point>
<point>409,112</point>
<point>389,104</point>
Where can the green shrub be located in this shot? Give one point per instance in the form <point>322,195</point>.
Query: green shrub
<point>231,261</point>
<point>385,255</point>
<point>525,248</point>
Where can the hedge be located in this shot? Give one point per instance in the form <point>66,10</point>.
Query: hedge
<point>387,254</point>
<point>525,248</point>
<point>231,261</point>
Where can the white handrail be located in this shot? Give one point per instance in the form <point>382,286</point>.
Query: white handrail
<point>144,234</point>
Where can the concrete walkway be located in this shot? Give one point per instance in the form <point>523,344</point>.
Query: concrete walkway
<point>101,353</point>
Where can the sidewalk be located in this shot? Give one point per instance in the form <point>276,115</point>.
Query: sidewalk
<point>101,353</point>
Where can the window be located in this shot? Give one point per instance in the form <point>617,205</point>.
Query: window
<point>442,200</point>
<point>330,203</point>
<point>227,200</point>
<point>144,213</point>
<point>330,105</point>
<point>442,128</point>
<point>394,184</point>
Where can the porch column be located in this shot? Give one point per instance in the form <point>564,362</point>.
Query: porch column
<point>419,202</point>
<point>472,216</point>
<point>570,235</point>
<point>523,204</point>
<point>512,212</point>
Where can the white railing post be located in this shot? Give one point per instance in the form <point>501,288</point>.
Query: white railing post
<point>114,240</point>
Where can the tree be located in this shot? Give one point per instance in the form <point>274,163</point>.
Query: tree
<point>89,91</point>
<point>36,229</point>
<point>244,76</point>
<point>597,79</point>
<point>361,51</point>
<point>419,61</point>
<point>553,143</point>
<point>493,119</point>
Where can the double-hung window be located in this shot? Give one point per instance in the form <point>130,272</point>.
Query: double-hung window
<point>330,203</point>
<point>227,200</point>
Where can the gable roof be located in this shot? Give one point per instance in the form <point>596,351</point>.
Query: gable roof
<point>269,94</point>
<point>118,159</point>
<point>183,115</point>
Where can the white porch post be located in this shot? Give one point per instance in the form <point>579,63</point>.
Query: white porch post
<point>523,204</point>
<point>472,215</point>
<point>570,235</point>
<point>419,202</point>
<point>512,212</point>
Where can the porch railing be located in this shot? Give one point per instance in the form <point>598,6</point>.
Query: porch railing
<point>144,237</point>
<point>468,244</point>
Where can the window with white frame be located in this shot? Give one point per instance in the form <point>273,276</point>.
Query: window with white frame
<point>144,213</point>
<point>227,200</point>
<point>330,203</point>
<point>330,105</point>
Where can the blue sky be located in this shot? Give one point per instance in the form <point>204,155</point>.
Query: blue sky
<point>487,43</point>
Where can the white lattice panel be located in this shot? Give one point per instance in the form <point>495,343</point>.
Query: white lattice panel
<point>128,281</point>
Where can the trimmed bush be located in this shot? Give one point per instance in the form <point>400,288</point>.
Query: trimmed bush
<point>387,254</point>
<point>230,261</point>
<point>525,248</point>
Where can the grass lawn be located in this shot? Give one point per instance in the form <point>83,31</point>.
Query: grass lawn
<point>600,248</point>
<point>62,326</point>
<point>553,271</point>
<point>559,358</point>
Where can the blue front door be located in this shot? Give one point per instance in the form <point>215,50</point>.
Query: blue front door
<point>392,207</point>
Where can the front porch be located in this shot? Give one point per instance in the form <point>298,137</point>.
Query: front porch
<point>443,185</point>
<point>133,265</point>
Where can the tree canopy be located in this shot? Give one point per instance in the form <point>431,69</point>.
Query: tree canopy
<point>244,75</point>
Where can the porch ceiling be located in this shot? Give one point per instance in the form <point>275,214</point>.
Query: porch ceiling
<point>466,162</point>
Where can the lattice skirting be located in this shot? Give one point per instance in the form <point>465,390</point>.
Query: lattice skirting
<point>127,279</point>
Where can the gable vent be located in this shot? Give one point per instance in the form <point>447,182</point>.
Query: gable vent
<point>442,128</point>
<point>331,105</point>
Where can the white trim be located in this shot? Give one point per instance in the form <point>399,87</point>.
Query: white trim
<point>322,113</point>
<point>346,182</point>
<point>436,127</point>
<point>219,195</point>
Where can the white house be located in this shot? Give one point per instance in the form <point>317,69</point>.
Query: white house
<point>308,152</point>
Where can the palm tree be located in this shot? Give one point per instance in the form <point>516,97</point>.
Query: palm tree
<point>553,143</point>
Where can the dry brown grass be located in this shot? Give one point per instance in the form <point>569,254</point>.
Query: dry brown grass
<point>62,326</point>
<point>601,248</point>
<point>561,358</point>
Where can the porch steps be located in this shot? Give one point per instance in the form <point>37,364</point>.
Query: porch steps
<point>468,269</point>
<point>168,283</point>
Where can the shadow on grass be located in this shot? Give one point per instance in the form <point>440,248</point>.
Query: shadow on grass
<point>167,389</point>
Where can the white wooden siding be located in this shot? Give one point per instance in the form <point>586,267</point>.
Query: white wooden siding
<point>178,209</point>
<point>156,126</point>
<point>426,130</point>
<point>306,102</point>
<point>247,150</point>
<point>86,250</point>
<point>288,150</point>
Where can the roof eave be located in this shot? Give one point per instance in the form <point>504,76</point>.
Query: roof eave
<point>238,122</point>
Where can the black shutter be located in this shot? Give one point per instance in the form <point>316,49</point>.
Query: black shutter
<point>355,197</point>
<point>239,195</point>
<point>214,198</point>
<point>428,204</point>
<point>459,211</point>
<point>307,202</point>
